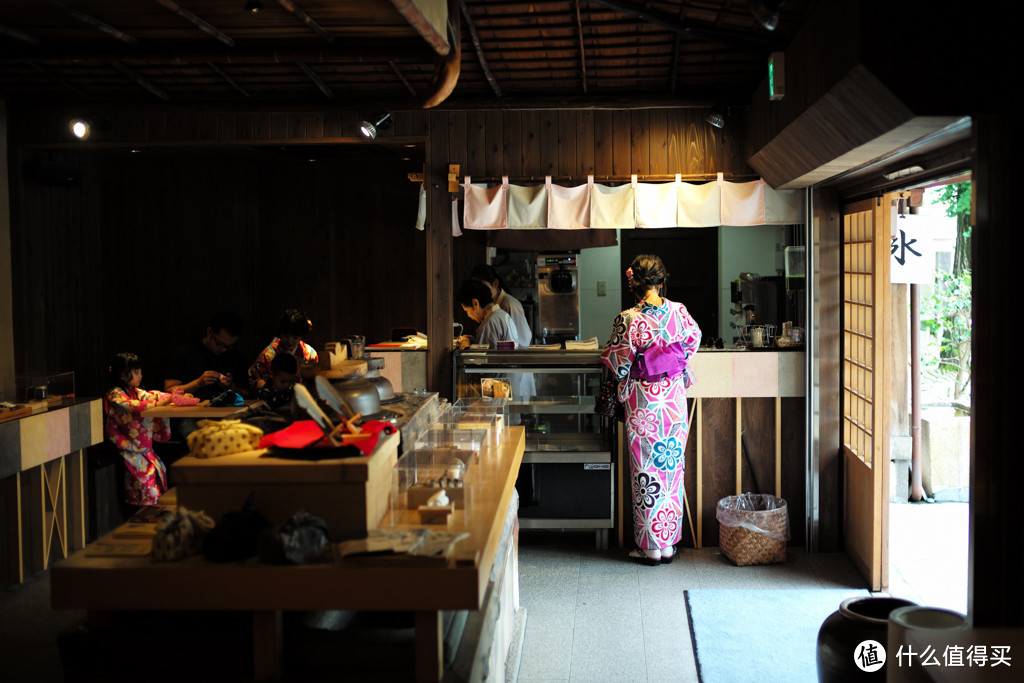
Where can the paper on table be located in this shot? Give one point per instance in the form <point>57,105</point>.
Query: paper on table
<point>572,344</point>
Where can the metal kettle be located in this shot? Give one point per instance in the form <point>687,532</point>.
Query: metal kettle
<point>383,385</point>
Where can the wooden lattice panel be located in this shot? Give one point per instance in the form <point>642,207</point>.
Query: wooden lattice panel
<point>858,335</point>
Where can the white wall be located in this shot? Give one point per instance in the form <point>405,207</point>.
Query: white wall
<point>598,312</point>
<point>745,249</point>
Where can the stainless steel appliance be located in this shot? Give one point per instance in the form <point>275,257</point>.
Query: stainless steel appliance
<point>558,298</point>
<point>567,478</point>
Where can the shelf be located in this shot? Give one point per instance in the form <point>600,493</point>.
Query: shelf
<point>554,405</point>
<point>566,443</point>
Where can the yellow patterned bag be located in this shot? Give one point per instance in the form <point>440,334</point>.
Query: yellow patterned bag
<point>215,438</point>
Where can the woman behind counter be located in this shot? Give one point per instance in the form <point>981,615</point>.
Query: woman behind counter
<point>650,347</point>
<point>132,434</point>
<point>506,302</point>
<point>494,324</point>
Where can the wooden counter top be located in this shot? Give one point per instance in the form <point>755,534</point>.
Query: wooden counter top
<point>97,583</point>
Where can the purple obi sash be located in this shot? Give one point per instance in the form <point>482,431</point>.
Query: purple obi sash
<point>659,362</point>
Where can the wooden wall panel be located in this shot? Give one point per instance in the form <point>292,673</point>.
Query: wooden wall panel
<point>143,252</point>
<point>512,126</point>
<point>604,143</point>
<point>622,157</point>
<point>718,474</point>
<point>531,141</point>
<point>658,140</point>
<point>639,142</point>
<point>794,466</point>
<point>585,152</point>
<point>476,144</point>
<point>567,165</point>
<point>548,144</point>
<point>759,433</point>
<point>495,141</point>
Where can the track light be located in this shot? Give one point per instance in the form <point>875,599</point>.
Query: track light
<point>716,117</point>
<point>253,6</point>
<point>767,12</point>
<point>369,130</point>
<point>82,127</point>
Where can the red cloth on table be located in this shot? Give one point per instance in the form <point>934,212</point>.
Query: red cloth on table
<point>307,434</point>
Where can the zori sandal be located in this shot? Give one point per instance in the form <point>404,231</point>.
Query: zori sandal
<point>651,558</point>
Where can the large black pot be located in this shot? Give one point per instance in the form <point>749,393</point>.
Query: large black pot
<point>857,619</point>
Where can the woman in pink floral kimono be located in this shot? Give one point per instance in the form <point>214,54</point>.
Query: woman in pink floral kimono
<point>649,351</point>
<point>133,434</point>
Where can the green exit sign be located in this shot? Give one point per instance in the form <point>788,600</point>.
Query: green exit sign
<point>777,76</point>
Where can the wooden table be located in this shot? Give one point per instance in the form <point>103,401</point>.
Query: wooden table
<point>198,410</point>
<point>96,583</point>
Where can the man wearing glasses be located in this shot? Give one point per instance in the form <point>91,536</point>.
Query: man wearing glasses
<point>211,365</point>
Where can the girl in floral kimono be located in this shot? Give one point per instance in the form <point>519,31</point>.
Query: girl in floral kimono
<point>131,433</point>
<point>649,351</point>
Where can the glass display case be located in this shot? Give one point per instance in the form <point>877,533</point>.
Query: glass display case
<point>567,479</point>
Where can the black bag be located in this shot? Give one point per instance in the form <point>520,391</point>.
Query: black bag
<point>607,403</point>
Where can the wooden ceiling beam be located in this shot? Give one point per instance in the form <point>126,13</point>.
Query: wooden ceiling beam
<point>380,51</point>
<point>317,81</point>
<point>11,32</point>
<point>230,81</point>
<point>401,77</point>
<point>310,23</point>
<point>97,24</point>
<point>446,67</point>
<point>479,50</point>
<point>583,54</point>
<point>667,21</point>
<point>81,93</point>
<point>140,81</point>
<point>200,23</point>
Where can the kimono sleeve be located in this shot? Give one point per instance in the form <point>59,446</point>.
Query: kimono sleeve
<point>619,353</point>
<point>689,332</point>
<point>120,400</point>
<point>260,369</point>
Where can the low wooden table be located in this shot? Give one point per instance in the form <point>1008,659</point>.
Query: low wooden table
<point>198,411</point>
<point>97,583</point>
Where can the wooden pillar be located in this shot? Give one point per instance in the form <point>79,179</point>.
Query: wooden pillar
<point>825,434</point>
<point>440,292</point>
<point>995,592</point>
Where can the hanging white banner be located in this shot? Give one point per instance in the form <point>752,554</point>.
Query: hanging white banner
<point>912,251</point>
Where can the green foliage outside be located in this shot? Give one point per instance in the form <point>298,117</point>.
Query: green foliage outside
<point>946,314</point>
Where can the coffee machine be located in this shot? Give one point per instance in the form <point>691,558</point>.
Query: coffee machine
<point>759,300</point>
<point>558,298</point>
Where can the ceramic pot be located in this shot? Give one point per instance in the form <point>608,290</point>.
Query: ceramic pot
<point>857,619</point>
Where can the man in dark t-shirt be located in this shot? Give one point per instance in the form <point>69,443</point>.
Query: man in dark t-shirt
<point>211,365</point>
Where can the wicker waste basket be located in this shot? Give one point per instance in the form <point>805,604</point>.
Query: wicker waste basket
<point>753,528</point>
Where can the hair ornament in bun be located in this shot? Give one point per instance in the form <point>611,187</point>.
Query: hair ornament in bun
<point>629,273</point>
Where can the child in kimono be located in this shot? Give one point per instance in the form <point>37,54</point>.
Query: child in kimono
<point>131,433</point>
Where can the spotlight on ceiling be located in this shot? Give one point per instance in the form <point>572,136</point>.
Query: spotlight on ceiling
<point>767,12</point>
<point>82,127</point>
<point>716,117</point>
<point>253,6</point>
<point>369,130</point>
